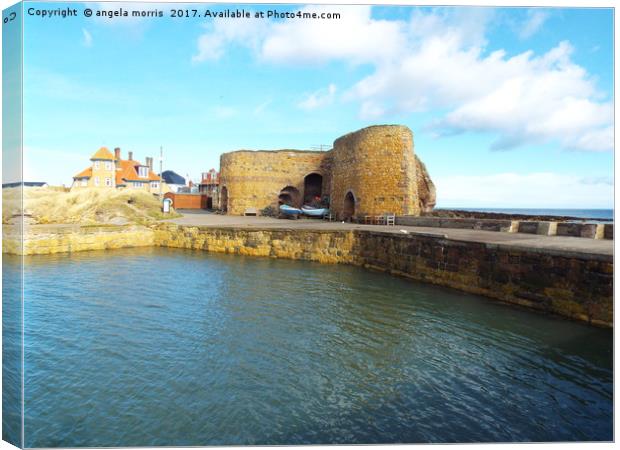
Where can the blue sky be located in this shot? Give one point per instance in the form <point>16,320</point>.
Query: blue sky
<point>509,106</point>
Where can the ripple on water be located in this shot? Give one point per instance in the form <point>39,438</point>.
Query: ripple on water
<point>175,347</point>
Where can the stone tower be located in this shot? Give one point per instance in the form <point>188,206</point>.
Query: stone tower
<point>374,172</point>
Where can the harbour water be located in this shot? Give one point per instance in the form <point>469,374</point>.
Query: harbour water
<point>147,347</point>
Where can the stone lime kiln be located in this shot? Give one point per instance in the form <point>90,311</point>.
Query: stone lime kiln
<point>368,172</point>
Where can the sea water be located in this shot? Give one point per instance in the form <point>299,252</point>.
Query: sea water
<point>147,347</point>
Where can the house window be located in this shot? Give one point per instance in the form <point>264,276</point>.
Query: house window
<point>108,165</point>
<point>84,182</point>
<point>155,185</point>
<point>96,181</point>
<point>96,165</point>
<point>143,171</point>
<point>108,181</point>
<point>137,185</point>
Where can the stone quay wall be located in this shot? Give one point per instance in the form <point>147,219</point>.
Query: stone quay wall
<point>254,179</point>
<point>545,228</point>
<point>570,284</point>
<point>66,239</point>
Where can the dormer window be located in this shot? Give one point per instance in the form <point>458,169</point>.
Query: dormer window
<point>143,171</point>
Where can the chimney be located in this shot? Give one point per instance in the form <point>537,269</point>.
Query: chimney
<point>149,162</point>
<point>117,157</point>
<point>130,156</point>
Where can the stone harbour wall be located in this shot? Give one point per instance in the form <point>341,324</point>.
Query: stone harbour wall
<point>66,239</point>
<point>573,285</point>
<point>570,284</point>
<point>331,247</point>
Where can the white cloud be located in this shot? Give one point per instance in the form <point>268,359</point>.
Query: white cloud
<point>534,99</point>
<point>224,112</point>
<point>320,98</point>
<point>511,190</point>
<point>355,37</point>
<point>87,40</point>
<point>438,61</point>
<point>260,109</point>
<point>522,99</point>
<point>535,20</point>
<point>213,43</point>
<point>210,47</point>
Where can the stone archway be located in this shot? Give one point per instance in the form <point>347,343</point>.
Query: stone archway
<point>313,188</point>
<point>349,206</point>
<point>290,196</point>
<point>224,199</point>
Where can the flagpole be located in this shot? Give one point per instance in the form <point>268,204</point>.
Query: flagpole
<point>161,173</point>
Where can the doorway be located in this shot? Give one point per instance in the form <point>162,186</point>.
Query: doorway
<point>313,189</point>
<point>349,206</point>
<point>290,196</point>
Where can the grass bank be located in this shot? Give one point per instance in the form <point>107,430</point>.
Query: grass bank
<point>47,205</point>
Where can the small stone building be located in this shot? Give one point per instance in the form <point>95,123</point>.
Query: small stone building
<point>368,172</point>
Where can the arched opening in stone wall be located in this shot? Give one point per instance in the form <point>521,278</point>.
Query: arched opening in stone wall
<point>313,189</point>
<point>224,199</point>
<point>349,206</point>
<point>290,196</point>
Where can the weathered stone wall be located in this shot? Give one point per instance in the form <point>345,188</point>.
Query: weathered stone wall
<point>575,285</point>
<point>330,247</point>
<point>467,224</point>
<point>43,240</point>
<point>570,284</point>
<point>377,165</point>
<point>254,179</point>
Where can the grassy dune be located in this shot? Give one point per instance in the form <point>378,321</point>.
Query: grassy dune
<point>84,206</point>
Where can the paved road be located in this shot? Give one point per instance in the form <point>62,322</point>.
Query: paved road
<point>520,240</point>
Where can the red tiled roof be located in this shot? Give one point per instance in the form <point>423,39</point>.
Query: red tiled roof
<point>86,173</point>
<point>128,171</point>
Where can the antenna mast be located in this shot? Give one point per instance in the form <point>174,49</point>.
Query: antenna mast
<point>161,173</point>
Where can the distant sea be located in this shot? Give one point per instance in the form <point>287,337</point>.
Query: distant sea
<point>583,213</point>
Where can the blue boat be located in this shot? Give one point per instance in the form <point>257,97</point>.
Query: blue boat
<point>289,210</point>
<point>314,212</point>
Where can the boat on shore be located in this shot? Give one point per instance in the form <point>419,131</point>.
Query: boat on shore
<point>314,212</point>
<point>290,211</point>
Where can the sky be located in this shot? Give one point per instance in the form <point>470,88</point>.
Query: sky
<point>510,107</point>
